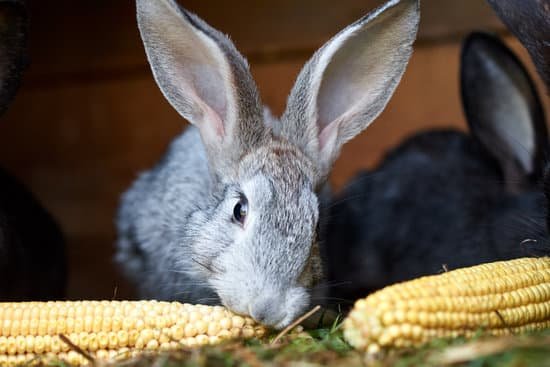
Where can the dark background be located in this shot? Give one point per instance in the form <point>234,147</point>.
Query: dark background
<point>89,117</point>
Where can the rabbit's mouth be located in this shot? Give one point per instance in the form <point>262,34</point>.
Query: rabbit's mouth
<point>272,308</point>
<point>266,316</point>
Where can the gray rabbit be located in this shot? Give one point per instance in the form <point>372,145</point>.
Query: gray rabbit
<point>230,215</point>
<point>32,250</point>
<point>448,199</point>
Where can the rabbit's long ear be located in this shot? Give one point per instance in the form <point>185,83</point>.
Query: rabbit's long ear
<point>348,82</point>
<point>204,78</point>
<point>529,21</point>
<point>502,107</point>
<point>13,48</point>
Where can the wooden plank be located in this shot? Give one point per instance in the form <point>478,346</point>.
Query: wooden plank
<point>88,41</point>
<point>451,19</point>
<point>78,146</point>
<point>92,273</point>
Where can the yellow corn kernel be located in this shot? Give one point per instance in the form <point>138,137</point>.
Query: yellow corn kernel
<point>110,330</point>
<point>498,298</point>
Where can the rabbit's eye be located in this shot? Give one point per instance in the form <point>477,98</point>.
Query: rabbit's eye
<point>240,210</point>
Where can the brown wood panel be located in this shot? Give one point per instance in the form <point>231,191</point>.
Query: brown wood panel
<point>427,97</point>
<point>80,41</point>
<point>93,275</point>
<point>79,145</point>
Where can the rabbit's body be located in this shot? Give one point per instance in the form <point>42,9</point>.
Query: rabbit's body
<point>148,208</point>
<point>436,201</point>
<point>448,199</point>
<point>230,215</point>
<point>32,249</point>
<point>32,252</point>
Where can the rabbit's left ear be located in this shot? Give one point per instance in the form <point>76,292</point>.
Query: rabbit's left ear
<point>348,82</point>
<point>205,78</point>
<point>13,48</point>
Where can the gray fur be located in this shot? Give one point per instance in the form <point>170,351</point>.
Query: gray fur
<point>177,239</point>
<point>169,54</point>
<point>375,54</point>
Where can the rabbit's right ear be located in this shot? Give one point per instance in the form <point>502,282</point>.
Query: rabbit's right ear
<point>13,48</point>
<point>348,82</point>
<point>502,108</point>
<point>205,79</point>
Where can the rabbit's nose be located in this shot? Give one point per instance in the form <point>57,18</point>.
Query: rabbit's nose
<point>278,308</point>
<point>269,310</point>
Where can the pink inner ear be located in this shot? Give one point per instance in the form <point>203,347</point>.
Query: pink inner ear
<point>211,97</point>
<point>328,134</point>
<point>205,104</point>
<point>211,123</point>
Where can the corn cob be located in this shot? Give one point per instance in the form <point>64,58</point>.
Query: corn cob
<point>498,298</point>
<point>111,330</point>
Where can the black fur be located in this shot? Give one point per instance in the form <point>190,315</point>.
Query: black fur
<point>529,21</point>
<point>438,200</point>
<point>446,199</point>
<point>13,48</point>
<point>32,251</point>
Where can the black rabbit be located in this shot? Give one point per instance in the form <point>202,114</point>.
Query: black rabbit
<point>32,251</point>
<point>446,199</point>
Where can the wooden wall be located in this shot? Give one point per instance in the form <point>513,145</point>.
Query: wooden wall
<point>89,117</point>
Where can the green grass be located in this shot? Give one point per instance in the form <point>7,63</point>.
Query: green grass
<point>326,347</point>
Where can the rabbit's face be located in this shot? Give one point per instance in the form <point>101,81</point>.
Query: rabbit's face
<point>262,254</point>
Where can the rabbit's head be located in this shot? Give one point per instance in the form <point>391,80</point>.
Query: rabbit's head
<point>258,248</point>
<point>13,51</point>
